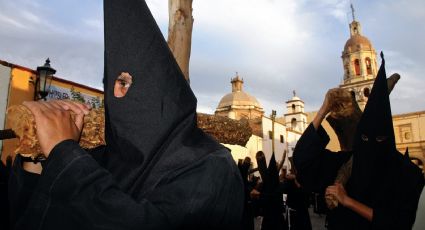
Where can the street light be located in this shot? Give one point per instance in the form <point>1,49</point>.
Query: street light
<point>44,79</point>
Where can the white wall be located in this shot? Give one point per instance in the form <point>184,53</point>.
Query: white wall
<point>4,92</point>
<point>256,143</point>
<point>279,129</point>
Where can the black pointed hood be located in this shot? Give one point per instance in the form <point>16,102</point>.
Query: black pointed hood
<point>273,173</point>
<point>159,110</point>
<point>374,144</point>
<point>406,154</point>
<point>376,124</point>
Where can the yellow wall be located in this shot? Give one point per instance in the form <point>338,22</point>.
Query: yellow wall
<point>21,89</point>
<point>333,144</point>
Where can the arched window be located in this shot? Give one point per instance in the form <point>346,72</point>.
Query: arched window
<point>357,66</point>
<point>294,123</point>
<point>366,92</point>
<point>368,66</point>
<point>293,108</point>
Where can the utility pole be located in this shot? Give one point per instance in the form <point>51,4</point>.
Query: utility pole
<point>273,116</point>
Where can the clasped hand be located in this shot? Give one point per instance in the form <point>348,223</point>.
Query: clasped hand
<point>338,191</point>
<point>54,122</point>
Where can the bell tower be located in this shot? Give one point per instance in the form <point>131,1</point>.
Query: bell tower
<point>295,117</point>
<point>359,63</point>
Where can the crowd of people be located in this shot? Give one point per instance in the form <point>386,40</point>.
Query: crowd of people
<point>369,184</point>
<point>274,199</point>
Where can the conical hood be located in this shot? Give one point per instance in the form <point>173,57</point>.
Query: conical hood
<point>158,104</point>
<point>273,173</point>
<point>376,124</point>
<point>406,154</point>
<point>374,144</point>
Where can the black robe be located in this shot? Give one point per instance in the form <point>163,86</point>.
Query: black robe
<point>392,197</point>
<point>75,192</point>
<point>158,170</point>
<point>298,200</point>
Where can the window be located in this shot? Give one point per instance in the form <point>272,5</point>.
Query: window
<point>357,66</point>
<point>281,139</point>
<point>270,135</point>
<point>405,133</point>
<point>293,123</point>
<point>366,92</point>
<point>368,66</point>
<point>293,108</point>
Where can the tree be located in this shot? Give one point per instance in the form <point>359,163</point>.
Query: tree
<point>180,32</point>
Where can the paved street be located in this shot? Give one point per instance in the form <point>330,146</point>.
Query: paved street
<point>318,222</point>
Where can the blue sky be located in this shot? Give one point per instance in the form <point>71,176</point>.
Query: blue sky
<point>276,45</point>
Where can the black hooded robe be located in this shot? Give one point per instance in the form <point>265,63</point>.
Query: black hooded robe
<point>157,171</point>
<point>317,168</point>
<point>381,177</point>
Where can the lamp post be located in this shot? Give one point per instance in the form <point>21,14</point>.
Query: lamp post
<point>273,116</point>
<point>44,79</point>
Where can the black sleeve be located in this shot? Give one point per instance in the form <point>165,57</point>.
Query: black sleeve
<point>400,211</point>
<point>74,189</point>
<point>75,192</point>
<point>21,186</point>
<point>4,200</point>
<point>316,166</point>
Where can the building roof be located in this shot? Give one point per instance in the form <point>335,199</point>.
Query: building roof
<point>239,98</point>
<point>357,42</point>
<point>12,65</point>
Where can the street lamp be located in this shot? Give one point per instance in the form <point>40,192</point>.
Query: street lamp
<point>44,79</point>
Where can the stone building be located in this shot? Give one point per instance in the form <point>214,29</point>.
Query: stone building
<point>359,63</point>
<point>295,118</point>
<point>287,129</point>
<point>239,104</point>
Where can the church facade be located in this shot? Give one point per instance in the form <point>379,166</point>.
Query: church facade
<point>268,132</point>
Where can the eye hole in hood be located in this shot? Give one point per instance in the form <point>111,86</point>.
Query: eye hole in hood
<point>122,84</point>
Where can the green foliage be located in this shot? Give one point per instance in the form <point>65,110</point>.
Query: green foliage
<point>76,96</point>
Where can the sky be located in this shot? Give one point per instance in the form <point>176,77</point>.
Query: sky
<point>276,46</point>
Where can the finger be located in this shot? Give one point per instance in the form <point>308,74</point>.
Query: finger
<point>35,107</point>
<point>50,106</point>
<point>55,104</point>
<point>74,107</point>
<point>79,121</point>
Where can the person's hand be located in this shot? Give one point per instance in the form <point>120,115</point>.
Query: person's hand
<point>326,106</point>
<point>254,194</point>
<point>32,168</point>
<point>54,122</point>
<point>339,192</point>
<point>324,109</point>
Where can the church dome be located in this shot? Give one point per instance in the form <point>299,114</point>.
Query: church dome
<point>239,104</point>
<point>238,98</point>
<point>357,42</point>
